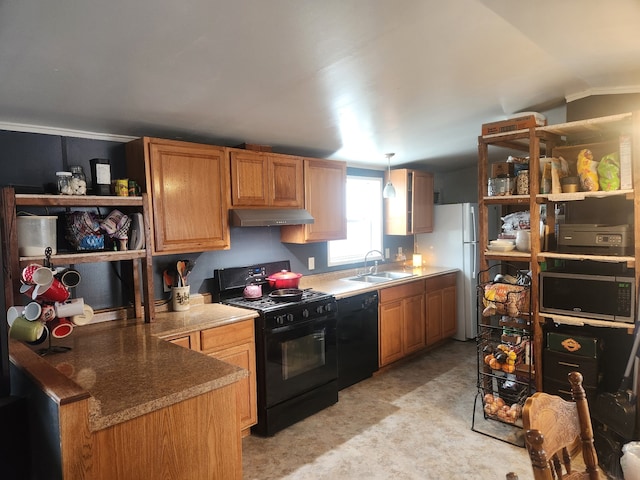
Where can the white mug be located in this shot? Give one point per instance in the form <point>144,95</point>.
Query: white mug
<point>32,311</point>
<point>74,306</point>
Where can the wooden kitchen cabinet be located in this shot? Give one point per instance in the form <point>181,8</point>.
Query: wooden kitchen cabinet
<point>401,321</point>
<point>411,211</point>
<point>189,187</point>
<point>325,185</point>
<point>261,179</point>
<point>235,344</point>
<point>441,314</point>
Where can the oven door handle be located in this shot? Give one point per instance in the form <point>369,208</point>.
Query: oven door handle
<point>294,326</point>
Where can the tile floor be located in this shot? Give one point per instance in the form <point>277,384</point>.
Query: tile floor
<point>410,422</point>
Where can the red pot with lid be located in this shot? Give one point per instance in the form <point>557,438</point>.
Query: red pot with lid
<point>284,279</point>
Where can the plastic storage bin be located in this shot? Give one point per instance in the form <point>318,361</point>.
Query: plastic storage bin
<point>35,234</point>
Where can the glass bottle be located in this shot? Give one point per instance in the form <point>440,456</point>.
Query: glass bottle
<point>78,182</point>
<point>64,179</point>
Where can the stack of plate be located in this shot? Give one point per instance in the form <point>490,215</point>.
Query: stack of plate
<point>501,245</point>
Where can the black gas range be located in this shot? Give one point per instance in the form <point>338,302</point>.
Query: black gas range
<point>296,347</point>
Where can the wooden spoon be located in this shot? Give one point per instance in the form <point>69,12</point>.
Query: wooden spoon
<point>181,267</point>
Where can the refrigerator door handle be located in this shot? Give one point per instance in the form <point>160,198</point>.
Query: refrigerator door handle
<point>474,236</point>
<point>474,260</point>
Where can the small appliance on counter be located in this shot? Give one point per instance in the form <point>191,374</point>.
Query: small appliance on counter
<point>296,346</point>
<point>595,239</point>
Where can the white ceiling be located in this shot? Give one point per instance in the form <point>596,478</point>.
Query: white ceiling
<point>345,79</point>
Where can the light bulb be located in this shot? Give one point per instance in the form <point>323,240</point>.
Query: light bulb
<point>389,190</point>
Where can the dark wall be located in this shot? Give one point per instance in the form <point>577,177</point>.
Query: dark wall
<point>29,162</point>
<point>602,105</point>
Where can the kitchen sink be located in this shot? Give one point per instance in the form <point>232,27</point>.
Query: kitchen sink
<point>393,275</point>
<point>380,277</point>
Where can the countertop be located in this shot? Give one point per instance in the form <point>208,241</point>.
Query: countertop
<point>336,283</point>
<point>126,369</point>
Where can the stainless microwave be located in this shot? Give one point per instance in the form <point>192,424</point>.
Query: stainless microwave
<point>601,297</point>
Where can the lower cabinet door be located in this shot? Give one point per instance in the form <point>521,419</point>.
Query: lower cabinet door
<point>413,324</point>
<point>390,332</point>
<point>243,356</point>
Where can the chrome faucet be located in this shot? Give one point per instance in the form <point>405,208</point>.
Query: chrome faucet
<point>374,268</point>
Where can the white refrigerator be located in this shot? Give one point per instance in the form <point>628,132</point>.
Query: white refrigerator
<point>454,244</point>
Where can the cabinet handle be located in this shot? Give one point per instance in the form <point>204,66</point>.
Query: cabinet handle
<point>574,365</point>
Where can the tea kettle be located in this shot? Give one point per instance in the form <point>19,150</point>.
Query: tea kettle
<point>253,288</point>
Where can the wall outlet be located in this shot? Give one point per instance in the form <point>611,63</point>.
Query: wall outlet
<point>399,250</point>
<point>312,263</point>
<point>386,253</point>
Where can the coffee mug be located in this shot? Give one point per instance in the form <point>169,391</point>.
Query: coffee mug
<point>69,308</point>
<point>69,277</point>
<point>27,272</point>
<point>23,329</point>
<point>60,327</point>
<point>56,292</point>
<point>13,313</point>
<point>121,187</point>
<point>42,276</point>
<point>32,311</point>
<point>85,317</point>
<point>48,313</point>
<point>134,188</point>
<point>43,336</point>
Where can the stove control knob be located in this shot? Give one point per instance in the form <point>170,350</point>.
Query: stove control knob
<point>290,317</point>
<point>280,319</point>
<point>328,307</point>
<point>305,313</point>
<point>319,309</point>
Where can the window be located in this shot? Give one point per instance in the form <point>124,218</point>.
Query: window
<point>364,222</point>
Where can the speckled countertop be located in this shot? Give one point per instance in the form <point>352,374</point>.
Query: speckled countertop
<point>128,370</point>
<point>337,283</point>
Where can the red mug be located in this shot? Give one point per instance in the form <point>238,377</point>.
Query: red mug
<point>60,327</point>
<point>27,272</point>
<point>56,292</point>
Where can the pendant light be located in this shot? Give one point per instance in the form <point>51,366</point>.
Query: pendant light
<point>389,190</point>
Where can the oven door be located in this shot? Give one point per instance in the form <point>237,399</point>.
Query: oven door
<point>299,358</point>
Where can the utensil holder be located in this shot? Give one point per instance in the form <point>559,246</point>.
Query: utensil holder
<point>180,298</point>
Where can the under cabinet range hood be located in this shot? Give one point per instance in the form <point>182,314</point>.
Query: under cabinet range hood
<point>267,217</point>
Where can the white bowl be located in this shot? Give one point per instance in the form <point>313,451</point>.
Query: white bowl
<point>501,247</point>
<point>503,241</point>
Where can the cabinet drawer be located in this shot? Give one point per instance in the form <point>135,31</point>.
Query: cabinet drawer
<point>227,335</point>
<point>440,282</point>
<point>392,294</point>
<point>563,389</point>
<point>556,366</point>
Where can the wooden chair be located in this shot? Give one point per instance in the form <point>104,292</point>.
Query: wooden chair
<point>556,431</point>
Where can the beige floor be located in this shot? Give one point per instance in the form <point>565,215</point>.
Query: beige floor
<point>411,422</point>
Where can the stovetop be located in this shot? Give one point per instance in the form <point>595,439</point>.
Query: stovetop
<point>266,304</point>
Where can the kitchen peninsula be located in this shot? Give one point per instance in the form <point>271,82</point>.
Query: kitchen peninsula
<point>123,403</point>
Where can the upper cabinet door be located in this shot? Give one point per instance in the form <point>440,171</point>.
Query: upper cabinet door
<point>325,195</point>
<point>189,185</point>
<point>249,179</point>
<point>266,180</point>
<point>411,210</point>
<point>286,177</point>
<point>422,202</point>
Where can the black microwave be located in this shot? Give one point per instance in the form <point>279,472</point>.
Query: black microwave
<point>601,297</point>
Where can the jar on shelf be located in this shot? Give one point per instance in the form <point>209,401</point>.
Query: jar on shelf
<point>522,182</point>
<point>64,183</point>
<point>78,182</point>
